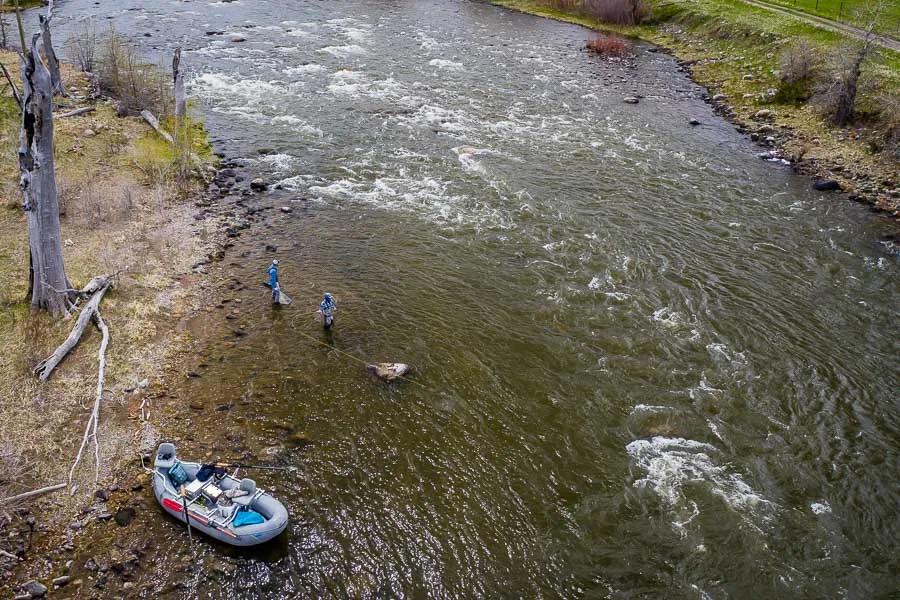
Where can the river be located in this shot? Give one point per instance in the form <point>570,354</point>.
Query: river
<point>649,364</point>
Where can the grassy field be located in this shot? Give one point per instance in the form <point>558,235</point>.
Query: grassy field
<point>844,11</point>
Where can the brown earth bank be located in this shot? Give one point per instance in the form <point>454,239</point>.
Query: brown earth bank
<point>734,56</point>
<point>122,210</point>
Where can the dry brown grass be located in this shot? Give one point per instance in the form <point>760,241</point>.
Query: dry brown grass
<point>115,218</point>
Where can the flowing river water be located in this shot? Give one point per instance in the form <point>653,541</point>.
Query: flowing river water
<point>648,363</point>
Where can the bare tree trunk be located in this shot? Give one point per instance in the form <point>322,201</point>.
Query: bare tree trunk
<point>50,57</point>
<point>178,76</point>
<point>846,101</point>
<point>38,182</point>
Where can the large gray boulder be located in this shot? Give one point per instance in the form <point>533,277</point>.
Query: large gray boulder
<point>389,372</point>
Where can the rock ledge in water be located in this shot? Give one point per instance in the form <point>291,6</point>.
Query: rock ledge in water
<point>389,372</point>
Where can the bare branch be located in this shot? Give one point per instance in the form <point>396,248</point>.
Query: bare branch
<point>15,90</point>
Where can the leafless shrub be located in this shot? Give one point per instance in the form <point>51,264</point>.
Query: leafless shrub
<point>620,12</point>
<point>835,95</point>
<point>124,74</point>
<point>82,46</point>
<point>608,46</point>
<point>799,61</point>
<point>799,64</point>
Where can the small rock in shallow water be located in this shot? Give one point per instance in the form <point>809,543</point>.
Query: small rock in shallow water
<point>236,38</point>
<point>258,185</point>
<point>826,185</point>
<point>630,100</point>
<point>694,122</point>
<point>286,209</point>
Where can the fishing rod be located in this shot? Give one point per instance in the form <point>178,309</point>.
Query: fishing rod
<point>243,466</point>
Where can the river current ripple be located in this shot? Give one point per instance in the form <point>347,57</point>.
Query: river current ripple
<point>649,363</point>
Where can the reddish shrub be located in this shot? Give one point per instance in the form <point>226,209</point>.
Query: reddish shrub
<point>608,46</point>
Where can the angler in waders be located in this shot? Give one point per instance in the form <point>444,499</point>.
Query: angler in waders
<point>327,308</point>
<point>273,281</point>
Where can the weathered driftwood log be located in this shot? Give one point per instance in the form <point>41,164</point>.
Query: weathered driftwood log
<point>90,430</point>
<point>96,288</point>
<point>178,78</point>
<point>76,112</point>
<point>43,490</point>
<point>154,123</point>
<point>389,372</point>
<point>48,283</point>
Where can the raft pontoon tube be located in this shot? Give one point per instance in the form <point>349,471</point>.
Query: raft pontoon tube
<point>250,517</point>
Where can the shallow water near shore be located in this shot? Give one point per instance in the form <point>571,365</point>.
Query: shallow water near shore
<point>648,363</point>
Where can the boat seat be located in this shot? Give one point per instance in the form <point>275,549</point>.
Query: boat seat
<point>165,456</point>
<point>249,486</point>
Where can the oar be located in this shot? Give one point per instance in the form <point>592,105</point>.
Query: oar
<point>187,519</point>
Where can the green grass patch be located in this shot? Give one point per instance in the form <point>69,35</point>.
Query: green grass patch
<point>10,5</point>
<point>844,11</point>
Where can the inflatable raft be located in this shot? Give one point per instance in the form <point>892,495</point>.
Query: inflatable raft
<point>223,507</point>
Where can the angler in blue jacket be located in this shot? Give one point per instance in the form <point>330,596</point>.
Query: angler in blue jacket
<point>327,308</point>
<point>273,281</point>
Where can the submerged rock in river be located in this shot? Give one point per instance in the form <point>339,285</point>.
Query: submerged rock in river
<point>389,371</point>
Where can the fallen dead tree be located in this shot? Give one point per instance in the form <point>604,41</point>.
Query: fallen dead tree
<point>94,290</point>
<point>76,112</point>
<point>154,123</point>
<point>32,493</point>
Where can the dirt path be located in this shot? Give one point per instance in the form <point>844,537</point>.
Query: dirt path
<point>855,32</point>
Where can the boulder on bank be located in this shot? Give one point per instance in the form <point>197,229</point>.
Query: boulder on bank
<point>389,372</point>
<point>826,185</point>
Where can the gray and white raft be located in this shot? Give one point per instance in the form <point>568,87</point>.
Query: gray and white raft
<point>223,507</point>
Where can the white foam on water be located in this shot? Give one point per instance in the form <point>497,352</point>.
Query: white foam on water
<point>820,508</point>
<point>466,156</point>
<point>297,125</point>
<point>344,51</point>
<point>717,351</point>
<point>299,33</point>
<point>651,408</point>
<point>446,64</point>
<point>254,91</point>
<point>422,195</point>
<point>668,317</point>
<point>671,464</point>
<point>303,69</point>
<point>356,34</point>
<point>281,163</point>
